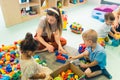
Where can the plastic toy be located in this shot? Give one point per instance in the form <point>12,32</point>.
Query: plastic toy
<point>61,57</point>
<point>81,48</point>
<point>76,28</point>
<point>99,12</point>
<point>5,77</point>
<point>8,61</point>
<point>57,78</point>
<point>8,68</point>
<point>69,75</point>
<point>106,8</point>
<point>81,0</point>
<point>23,1</point>
<point>0,50</point>
<point>59,4</point>
<point>7,56</point>
<point>16,76</point>
<point>73,1</point>
<point>1,62</point>
<point>64,19</point>
<point>98,15</point>
<point>43,62</point>
<point>36,56</point>
<point>117,35</point>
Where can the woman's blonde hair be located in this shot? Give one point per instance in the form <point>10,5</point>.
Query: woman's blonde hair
<point>59,21</point>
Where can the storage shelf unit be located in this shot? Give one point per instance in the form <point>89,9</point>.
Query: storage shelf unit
<point>15,12</point>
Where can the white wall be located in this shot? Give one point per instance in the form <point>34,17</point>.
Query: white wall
<point>2,22</point>
<point>94,1</point>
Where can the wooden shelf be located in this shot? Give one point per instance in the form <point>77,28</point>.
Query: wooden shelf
<point>15,12</point>
<point>29,4</point>
<point>73,5</point>
<point>28,17</point>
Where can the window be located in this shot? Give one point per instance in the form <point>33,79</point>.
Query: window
<point>110,2</point>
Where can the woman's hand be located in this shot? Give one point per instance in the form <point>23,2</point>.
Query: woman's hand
<point>50,48</point>
<point>61,50</point>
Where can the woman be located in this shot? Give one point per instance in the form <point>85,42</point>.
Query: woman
<point>49,31</point>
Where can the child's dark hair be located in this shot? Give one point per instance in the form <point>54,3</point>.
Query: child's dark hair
<point>28,44</point>
<point>109,16</point>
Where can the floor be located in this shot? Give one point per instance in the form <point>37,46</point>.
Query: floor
<point>80,14</point>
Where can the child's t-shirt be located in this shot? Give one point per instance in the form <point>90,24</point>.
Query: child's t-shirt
<point>104,30</point>
<point>31,67</point>
<point>98,55</point>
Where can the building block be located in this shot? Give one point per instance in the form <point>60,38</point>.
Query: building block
<point>99,15</point>
<point>61,57</point>
<point>81,48</point>
<point>5,77</point>
<point>61,61</point>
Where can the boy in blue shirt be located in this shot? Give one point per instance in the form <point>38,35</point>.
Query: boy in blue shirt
<point>96,54</point>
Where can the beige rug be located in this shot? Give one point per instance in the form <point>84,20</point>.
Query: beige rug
<point>52,64</point>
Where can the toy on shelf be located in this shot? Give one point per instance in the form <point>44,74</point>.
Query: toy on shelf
<point>81,0</point>
<point>76,28</point>
<point>81,48</point>
<point>61,57</point>
<point>59,4</point>
<point>73,1</point>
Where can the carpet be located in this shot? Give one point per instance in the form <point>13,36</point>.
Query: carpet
<point>52,64</point>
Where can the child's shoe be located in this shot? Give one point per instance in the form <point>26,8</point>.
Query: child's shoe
<point>106,73</point>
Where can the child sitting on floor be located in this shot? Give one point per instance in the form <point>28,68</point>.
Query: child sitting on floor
<point>29,67</point>
<point>96,54</point>
<point>116,28</point>
<point>105,29</point>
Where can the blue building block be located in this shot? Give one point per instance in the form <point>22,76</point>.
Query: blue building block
<point>61,61</point>
<point>98,15</point>
<point>8,68</point>
<point>64,55</point>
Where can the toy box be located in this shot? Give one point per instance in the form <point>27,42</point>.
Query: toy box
<point>65,67</point>
<point>98,15</point>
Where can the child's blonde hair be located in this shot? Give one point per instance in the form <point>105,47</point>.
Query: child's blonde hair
<point>90,35</point>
